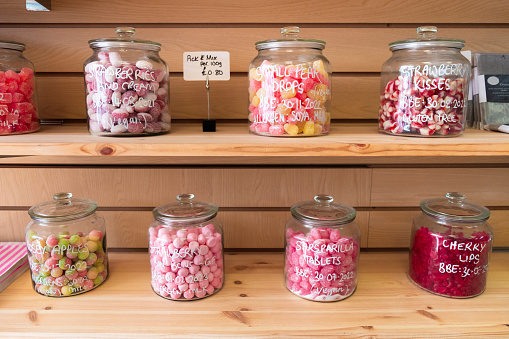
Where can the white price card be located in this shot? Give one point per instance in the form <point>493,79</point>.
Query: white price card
<point>197,65</point>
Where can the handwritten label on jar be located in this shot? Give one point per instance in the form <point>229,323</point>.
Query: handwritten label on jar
<point>466,253</point>
<point>199,65</point>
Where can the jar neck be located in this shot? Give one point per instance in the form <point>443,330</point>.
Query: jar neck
<point>293,50</point>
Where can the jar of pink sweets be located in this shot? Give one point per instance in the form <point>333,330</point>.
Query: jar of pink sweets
<point>322,250</point>
<point>290,87</point>
<point>18,99</point>
<point>424,87</point>
<point>126,87</point>
<point>66,246</point>
<point>450,247</point>
<point>186,250</point>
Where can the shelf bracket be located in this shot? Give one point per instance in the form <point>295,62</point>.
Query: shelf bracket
<point>38,5</point>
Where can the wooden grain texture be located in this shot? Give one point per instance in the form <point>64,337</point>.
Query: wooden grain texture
<point>355,97</point>
<point>263,11</point>
<point>150,187</point>
<point>128,229</point>
<point>391,229</point>
<point>65,49</point>
<point>255,304</point>
<point>231,144</point>
<point>408,187</point>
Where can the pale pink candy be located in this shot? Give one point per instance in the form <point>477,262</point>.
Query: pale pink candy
<point>171,248</point>
<point>175,295</point>
<point>182,233</point>
<point>210,289</point>
<point>192,237</point>
<point>210,276</point>
<point>217,283</point>
<point>217,249</point>
<point>205,270</point>
<point>189,294</point>
<point>203,283</point>
<point>118,129</point>
<point>213,268</point>
<point>165,239</point>
<point>183,272</point>
<point>202,239</point>
<point>194,269</point>
<point>209,255</point>
<point>176,258</point>
<point>335,235</point>
<point>203,250</point>
<point>207,232</point>
<point>194,246</point>
<point>219,262</point>
<point>170,277</point>
<point>199,276</point>
<point>189,279</point>
<point>185,263</point>
<point>211,242</point>
<point>162,291</point>
<point>194,286</point>
<point>183,287</point>
<point>217,236</point>
<point>199,260</point>
<point>200,293</point>
<point>276,130</point>
<point>179,242</point>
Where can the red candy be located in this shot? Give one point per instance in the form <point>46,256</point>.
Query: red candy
<point>321,265</point>
<point>450,265</point>
<point>421,105</point>
<point>17,111</point>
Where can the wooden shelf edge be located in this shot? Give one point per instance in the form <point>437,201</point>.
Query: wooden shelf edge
<point>232,144</point>
<point>254,303</point>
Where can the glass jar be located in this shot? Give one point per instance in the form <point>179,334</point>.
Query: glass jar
<point>290,87</point>
<point>18,99</point>
<point>186,250</point>
<point>450,247</point>
<point>66,243</point>
<point>126,87</point>
<point>424,87</point>
<point>322,250</point>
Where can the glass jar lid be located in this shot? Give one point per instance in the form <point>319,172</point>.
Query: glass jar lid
<point>323,211</point>
<point>454,207</point>
<point>426,39</point>
<point>19,46</point>
<point>290,39</point>
<point>125,39</point>
<point>63,208</point>
<point>185,210</point>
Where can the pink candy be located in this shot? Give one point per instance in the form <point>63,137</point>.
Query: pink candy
<point>186,268</point>
<point>321,265</point>
<point>421,105</point>
<point>125,97</point>
<point>17,106</point>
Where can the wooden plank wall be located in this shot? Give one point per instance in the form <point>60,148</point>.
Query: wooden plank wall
<point>356,33</point>
<point>253,211</point>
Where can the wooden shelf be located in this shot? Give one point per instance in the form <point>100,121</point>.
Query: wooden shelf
<point>347,144</point>
<point>254,303</point>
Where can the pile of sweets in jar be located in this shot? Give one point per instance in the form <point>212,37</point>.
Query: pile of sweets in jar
<point>17,108</point>
<point>289,100</point>
<point>420,105</point>
<point>187,263</point>
<point>321,265</point>
<point>125,97</point>
<point>450,265</point>
<point>64,264</point>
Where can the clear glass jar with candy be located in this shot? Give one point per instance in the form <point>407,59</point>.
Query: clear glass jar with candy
<point>424,87</point>
<point>18,98</point>
<point>66,243</point>
<point>450,247</point>
<point>186,250</point>
<point>322,250</point>
<point>126,84</point>
<point>290,87</point>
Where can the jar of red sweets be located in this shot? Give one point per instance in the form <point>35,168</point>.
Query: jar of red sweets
<point>322,250</point>
<point>18,99</point>
<point>186,250</point>
<point>450,247</point>
<point>290,87</point>
<point>66,243</point>
<point>126,84</point>
<point>424,87</point>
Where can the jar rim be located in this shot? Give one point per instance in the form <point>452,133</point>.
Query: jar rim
<point>19,46</point>
<point>63,208</point>
<point>323,211</point>
<point>455,201</point>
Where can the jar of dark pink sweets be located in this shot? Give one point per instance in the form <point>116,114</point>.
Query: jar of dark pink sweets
<point>450,247</point>
<point>322,250</point>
